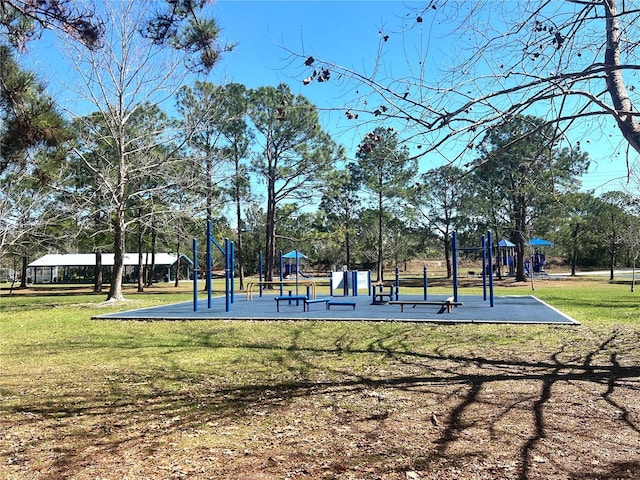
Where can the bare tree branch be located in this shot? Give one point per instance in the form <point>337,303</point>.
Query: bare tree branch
<point>563,61</point>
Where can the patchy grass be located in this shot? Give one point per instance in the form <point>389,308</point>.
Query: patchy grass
<point>83,399</point>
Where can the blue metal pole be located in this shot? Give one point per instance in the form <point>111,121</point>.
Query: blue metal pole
<point>454,254</point>
<point>345,283</point>
<point>490,269</point>
<point>397,282</point>
<point>233,270</point>
<point>260,271</point>
<point>227,274</point>
<point>281,274</point>
<point>484,268</point>
<point>195,275</point>
<point>425,285</point>
<point>369,280</point>
<point>331,284</point>
<point>354,282</point>
<point>209,266</point>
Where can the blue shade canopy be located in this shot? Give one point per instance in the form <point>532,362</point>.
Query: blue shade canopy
<point>294,254</point>
<point>539,242</point>
<point>506,243</point>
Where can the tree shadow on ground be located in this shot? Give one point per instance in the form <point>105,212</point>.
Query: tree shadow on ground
<point>123,409</point>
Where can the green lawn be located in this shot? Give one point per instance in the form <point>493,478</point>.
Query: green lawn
<point>112,399</point>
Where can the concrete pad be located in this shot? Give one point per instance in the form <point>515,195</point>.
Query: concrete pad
<point>522,309</point>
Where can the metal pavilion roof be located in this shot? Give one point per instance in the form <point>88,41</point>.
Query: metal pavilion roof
<point>89,259</point>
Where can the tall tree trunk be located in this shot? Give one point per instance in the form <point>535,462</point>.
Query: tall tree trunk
<point>151,269</point>
<point>119,226</point>
<point>97,273</point>
<point>612,262</point>
<point>140,276</point>
<point>447,255</point>
<point>270,240</point>
<point>574,250</point>
<point>612,265</point>
<point>612,250</point>
<point>119,221</point>
<point>177,273</point>
<point>239,251</point>
<point>209,197</point>
<point>616,87</point>
<point>520,238</point>
<point>23,273</point>
<point>380,273</point>
<point>239,222</point>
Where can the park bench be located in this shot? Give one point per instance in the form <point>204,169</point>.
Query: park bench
<point>447,304</point>
<point>333,303</point>
<point>289,298</point>
<point>308,301</point>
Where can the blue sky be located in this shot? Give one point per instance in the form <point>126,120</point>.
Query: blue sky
<point>347,33</point>
<point>343,32</point>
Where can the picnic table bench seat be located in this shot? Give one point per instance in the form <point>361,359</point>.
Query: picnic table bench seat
<point>289,298</point>
<point>308,301</point>
<point>334,303</point>
<point>447,304</point>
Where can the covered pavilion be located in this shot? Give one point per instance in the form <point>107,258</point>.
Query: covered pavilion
<point>79,267</point>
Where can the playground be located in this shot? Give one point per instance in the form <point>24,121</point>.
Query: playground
<point>519,309</point>
<point>352,297</point>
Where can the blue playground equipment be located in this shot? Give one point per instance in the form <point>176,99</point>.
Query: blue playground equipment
<point>229,261</point>
<point>538,259</point>
<point>506,253</point>
<point>349,282</point>
<point>288,269</point>
<point>309,298</point>
<point>292,264</point>
<point>487,265</point>
<point>380,296</point>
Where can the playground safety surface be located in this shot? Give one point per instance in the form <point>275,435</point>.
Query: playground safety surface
<point>520,309</point>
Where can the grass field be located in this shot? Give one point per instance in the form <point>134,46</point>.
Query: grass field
<point>84,399</point>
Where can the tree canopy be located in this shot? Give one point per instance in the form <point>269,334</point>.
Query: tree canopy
<point>384,169</point>
<point>296,152</point>
<point>173,23</point>
<point>28,115</point>
<point>521,169</point>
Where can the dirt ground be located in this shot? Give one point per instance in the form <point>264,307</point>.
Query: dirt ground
<point>473,415</point>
